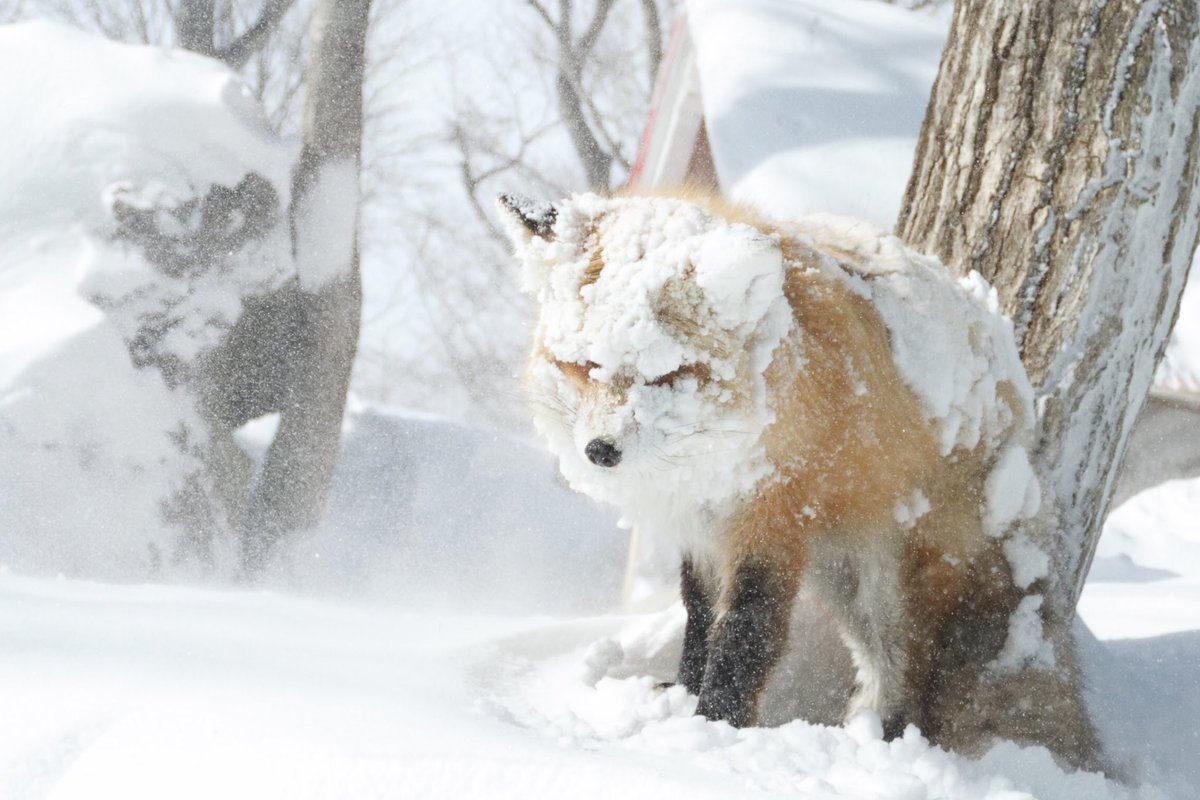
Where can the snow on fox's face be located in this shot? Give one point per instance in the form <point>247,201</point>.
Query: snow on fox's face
<point>657,321</point>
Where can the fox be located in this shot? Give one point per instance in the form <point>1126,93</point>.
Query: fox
<point>804,408</point>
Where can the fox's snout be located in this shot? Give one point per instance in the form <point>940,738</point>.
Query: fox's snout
<point>602,453</point>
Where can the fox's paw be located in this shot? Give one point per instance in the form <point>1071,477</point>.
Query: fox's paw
<point>894,725</point>
<point>894,720</point>
<point>727,707</point>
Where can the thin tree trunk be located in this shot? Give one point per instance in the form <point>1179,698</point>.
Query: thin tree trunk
<point>1059,159</point>
<point>195,25</point>
<point>239,51</point>
<point>654,38</point>
<point>291,490</point>
<point>597,163</point>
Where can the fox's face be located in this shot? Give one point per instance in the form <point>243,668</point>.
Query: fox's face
<point>657,321</point>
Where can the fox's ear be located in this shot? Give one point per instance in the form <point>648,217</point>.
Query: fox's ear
<point>741,271</point>
<point>525,218</point>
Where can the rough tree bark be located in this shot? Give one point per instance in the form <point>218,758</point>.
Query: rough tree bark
<point>290,492</point>
<point>1058,158</point>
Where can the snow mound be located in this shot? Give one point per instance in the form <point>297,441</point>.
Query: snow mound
<point>1157,529</point>
<point>814,105</point>
<point>103,141</point>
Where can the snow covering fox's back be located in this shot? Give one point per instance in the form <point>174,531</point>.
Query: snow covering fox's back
<point>804,403</point>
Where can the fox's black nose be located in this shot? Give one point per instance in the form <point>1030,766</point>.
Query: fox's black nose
<point>602,453</point>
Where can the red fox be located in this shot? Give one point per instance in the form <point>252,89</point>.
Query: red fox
<point>804,405</point>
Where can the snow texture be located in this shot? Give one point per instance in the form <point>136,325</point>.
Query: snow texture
<point>1026,645</point>
<point>1012,491</point>
<point>1028,561</point>
<point>907,513</point>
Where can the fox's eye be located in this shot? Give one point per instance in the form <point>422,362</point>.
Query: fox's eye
<point>698,371</point>
<point>576,373</point>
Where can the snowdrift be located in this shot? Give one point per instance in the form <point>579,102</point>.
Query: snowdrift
<point>94,444</point>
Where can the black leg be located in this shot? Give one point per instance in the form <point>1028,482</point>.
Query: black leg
<point>698,603</point>
<point>894,725</point>
<point>745,644</point>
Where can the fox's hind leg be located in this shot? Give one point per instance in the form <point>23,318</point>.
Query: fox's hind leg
<point>862,585</point>
<point>874,628</point>
<point>892,610</point>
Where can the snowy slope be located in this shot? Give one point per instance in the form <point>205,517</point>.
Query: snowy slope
<point>815,106</point>
<point>430,514</point>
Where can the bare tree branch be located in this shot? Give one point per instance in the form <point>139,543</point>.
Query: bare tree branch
<point>584,46</point>
<point>142,18</point>
<point>472,181</point>
<point>11,10</point>
<point>572,56</point>
<point>654,38</point>
<point>564,18</point>
<point>238,52</point>
<point>545,15</point>
<point>614,147</point>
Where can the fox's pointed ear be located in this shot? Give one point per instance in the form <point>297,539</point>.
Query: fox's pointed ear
<point>525,218</point>
<point>741,271</point>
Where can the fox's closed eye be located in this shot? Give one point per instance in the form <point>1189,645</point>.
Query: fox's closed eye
<point>576,373</point>
<point>698,371</point>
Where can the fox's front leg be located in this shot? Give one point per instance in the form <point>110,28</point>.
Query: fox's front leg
<point>698,597</point>
<point>747,640</point>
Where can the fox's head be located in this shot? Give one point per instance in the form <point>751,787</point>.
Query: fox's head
<point>657,321</point>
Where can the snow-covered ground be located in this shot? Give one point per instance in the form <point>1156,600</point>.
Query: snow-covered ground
<point>155,691</point>
<point>450,629</point>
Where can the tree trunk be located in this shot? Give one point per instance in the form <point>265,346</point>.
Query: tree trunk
<point>291,490</point>
<point>1059,159</point>
<point>597,163</point>
<point>195,26</point>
